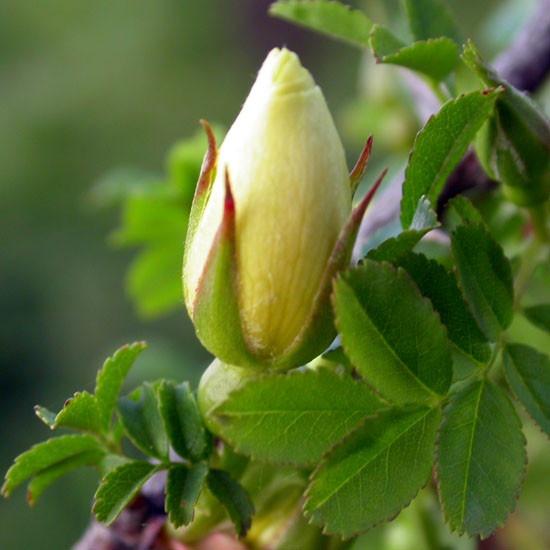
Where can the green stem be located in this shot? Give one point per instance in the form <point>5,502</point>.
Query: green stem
<point>439,93</point>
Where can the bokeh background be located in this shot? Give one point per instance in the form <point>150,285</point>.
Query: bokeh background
<point>90,86</point>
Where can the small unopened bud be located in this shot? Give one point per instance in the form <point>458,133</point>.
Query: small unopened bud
<point>514,144</point>
<point>270,225</point>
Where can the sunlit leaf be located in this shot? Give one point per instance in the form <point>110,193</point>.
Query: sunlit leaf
<point>392,334</point>
<point>296,417</point>
<point>435,58</point>
<point>440,145</point>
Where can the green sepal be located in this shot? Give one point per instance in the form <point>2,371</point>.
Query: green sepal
<point>356,175</point>
<point>215,312</point>
<point>204,185</point>
<point>202,192</point>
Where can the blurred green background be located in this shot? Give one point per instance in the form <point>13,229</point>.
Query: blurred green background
<point>86,87</point>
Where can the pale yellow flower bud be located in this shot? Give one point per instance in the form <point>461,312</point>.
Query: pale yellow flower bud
<point>284,167</point>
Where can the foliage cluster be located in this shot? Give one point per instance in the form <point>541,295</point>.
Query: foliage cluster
<point>421,388</point>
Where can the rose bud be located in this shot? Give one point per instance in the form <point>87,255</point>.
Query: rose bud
<point>271,224</point>
<point>514,144</point>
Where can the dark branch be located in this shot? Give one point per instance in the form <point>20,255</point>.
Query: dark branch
<point>526,63</point>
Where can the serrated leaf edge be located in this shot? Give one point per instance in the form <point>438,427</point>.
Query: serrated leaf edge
<point>297,372</point>
<point>437,481</point>
<point>325,531</point>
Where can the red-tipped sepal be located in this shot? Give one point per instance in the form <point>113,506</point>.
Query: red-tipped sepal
<point>204,186</point>
<point>356,174</point>
<point>215,311</point>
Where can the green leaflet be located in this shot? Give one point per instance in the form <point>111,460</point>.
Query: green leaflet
<point>431,19</point>
<point>539,315</point>
<point>440,145</point>
<point>296,417</point>
<point>485,275</point>
<point>440,286</point>
<point>481,459</point>
<point>423,222</point>
<point>183,487</point>
<point>143,424</point>
<point>392,334</point>
<point>435,57</point>
<point>183,423</point>
<point>119,487</point>
<point>328,17</point>
<point>528,374</point>
<point>48,454</point>
<point>374,473</point>
<point>233,497</point>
